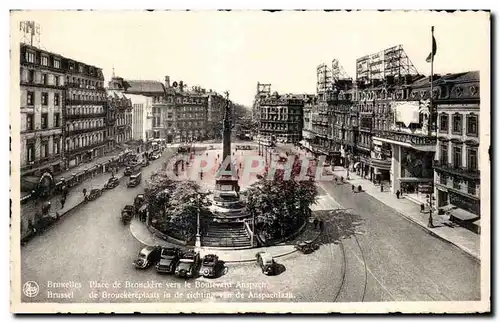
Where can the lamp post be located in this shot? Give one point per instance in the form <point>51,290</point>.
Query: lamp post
<point>198,236</point>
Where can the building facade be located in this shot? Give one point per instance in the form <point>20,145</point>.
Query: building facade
<point>84,113</point>
<point>42,85</point>
<point>281,117</point>
<point>456,166</point>
<point>191,116</point>
<point>215,114</point>
<point>120,130</point>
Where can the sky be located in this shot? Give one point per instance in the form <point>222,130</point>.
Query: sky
<point>232,51</point>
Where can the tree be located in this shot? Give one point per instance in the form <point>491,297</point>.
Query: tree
<point>281,204</point>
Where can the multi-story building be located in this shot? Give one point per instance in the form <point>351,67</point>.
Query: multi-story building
<point>190,116</point>
<point>42,83</point>
<point>148,100</point>
<point>120,130</point>
<point>281,117</point>
<point>215,114</point>
<point>84,113</point>
<point>457,175</point>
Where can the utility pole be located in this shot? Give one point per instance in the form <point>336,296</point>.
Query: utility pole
<point>431,117</point>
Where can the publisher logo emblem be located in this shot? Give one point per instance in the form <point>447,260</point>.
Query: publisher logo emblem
<point>30,289</point>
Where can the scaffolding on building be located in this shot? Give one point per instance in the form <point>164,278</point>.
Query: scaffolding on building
<point>392,61</point>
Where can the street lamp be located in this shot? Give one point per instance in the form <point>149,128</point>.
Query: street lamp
<point>198,237</point>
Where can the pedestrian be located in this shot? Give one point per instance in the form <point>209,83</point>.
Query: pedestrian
<point>315,222</point>
<point>321,225</point>
<point>381,188</point>
<point>63,200</point>
<point>84,193</point>
<point>352,187</point>
<point>397,194</point>
<point>422,208</point>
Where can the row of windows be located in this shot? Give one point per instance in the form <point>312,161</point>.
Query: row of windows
<point>457,157</point>
<point>274,126</point>
<point>30,99</point>
<point>190,116</point>
<point>84,141</point>
<point>84,110</point>
<point>44,121</point>
<point>45,59</point>
<point>88,97</point>
<point>83,82</point>
<point>471,185</point>
<point>32,76</point>
<point>457,124</point>
<point>44,149</point>
<point>87,124</point>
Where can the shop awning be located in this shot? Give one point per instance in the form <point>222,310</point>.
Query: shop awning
<point>463,215</point>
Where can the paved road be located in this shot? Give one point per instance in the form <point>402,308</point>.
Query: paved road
<point>91,245</point>
<point>403,261</point>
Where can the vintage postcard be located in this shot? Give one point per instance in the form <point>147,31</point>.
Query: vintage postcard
<point>250,161</point>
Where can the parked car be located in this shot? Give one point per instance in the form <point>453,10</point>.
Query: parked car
<point>134,180</point>
<point>307,247</point>
<point>148,256</point>
<point>188,264</point>
<point>266,263</point>
<point>112,183</point>
<point>138,201</point>
<point>127,213</point>
<point>94,194</point>
<point>132,168</point>
<point>169,258</point>
<point>210,265</point>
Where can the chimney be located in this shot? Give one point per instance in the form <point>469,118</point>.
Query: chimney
<point>167,81</point>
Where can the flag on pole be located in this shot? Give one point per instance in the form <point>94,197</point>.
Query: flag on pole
<point>434,48</point>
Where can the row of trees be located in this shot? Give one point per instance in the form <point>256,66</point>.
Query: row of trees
<point>280,205</point>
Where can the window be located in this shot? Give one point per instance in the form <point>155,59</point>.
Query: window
<point>44,151</point>
<point>170,115</point>
<point>56,99</point>
<point>31,76</point>
<point>44,79</point>
<point>57,63</point>
<point>57,119</point>
<point>472,125</point>
<point>59,80</point>
<point>471,187</point>
<point>45,98</point>
<point>444,153</point>
<point>57,146</point>
<point>472,159</point>
<point>442,179</point>
<point>45,60</point>
<point>457,157</point>
<point>456,183</point>
<point>30,151</point>
<point>45,120</point>
<point>29,121</point>
<point>457,124</point>
<point>30,57</point>
<point>30,98</point>
<point>443,123</point>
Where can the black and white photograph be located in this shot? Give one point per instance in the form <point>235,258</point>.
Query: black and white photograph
<point>250,161</point>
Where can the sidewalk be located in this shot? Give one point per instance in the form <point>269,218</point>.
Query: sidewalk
<point>73,200</point>
<point>456,235</point>
<point>143,235</point>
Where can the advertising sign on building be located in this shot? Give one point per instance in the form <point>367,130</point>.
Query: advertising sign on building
<point>406,111</point>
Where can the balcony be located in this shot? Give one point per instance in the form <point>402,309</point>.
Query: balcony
<point>457,171</point>
<point>415,141</point>
<point>85,102</point>
<point>85,116</point>
<point>81,149</point>
<point>78,131</point>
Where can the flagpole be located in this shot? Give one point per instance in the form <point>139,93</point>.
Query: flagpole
<point>430,125</point>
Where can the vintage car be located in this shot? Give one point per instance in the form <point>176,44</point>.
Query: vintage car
<point>94,194</point>
<point>144,162</point>
<point>132,168</point>
<point>128,213</point>
<point>155,154</point>
<point>139,201</point>
<point>210,265</point>
<point>169,258</point>
<point>307,247</point>
<point>188,264</point>
<point>112,183</point>
<point>266,263</point>
<point>148,256</point>
<point>134,180</point>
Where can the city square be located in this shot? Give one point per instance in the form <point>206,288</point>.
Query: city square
<point>364,187</point>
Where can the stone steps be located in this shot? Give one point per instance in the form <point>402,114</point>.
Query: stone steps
<point>225,235</point>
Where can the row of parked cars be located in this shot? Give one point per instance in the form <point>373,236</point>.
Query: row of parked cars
<point>186,264</point>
